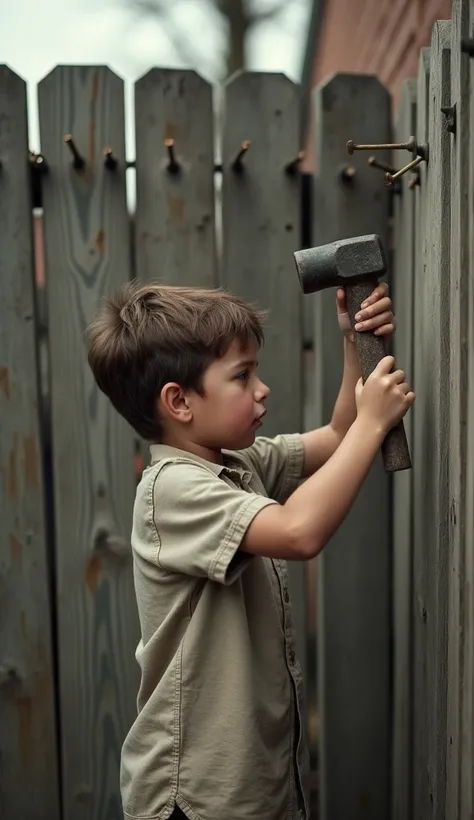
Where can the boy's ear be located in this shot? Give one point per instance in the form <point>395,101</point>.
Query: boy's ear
<point>174,402</point>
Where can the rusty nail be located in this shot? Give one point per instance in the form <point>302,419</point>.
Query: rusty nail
<point>293,166</point>
<point>449,112</point>
<point>78,162</point>
<point>347,173</point>
<point>237,164</point>
<point>110,161</point>
<point>374,163</point>
<point>390,178</point>
<point>173,165</point>
<point>411,145</point>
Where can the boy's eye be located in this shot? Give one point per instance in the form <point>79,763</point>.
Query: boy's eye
<point>243,376</point>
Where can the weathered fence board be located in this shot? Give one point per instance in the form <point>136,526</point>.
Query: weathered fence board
<point>175,224</point>
<point>354,570</point>
<point>261,229</point>
<point>433,388</point>
<point>467,638</point>
<point>403,295</point>
<point>457,395</point>
<point>28,753</point>
<point>421,803</point>
<point>88,255</point>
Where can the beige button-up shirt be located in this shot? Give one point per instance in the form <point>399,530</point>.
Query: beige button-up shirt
<point>219,730</point>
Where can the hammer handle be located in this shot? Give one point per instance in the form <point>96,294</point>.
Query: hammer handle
<point>370,350</point>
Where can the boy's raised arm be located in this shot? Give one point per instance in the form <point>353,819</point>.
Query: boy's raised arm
<point>301,527</point>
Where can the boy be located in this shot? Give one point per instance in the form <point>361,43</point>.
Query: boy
<point>219,732</point>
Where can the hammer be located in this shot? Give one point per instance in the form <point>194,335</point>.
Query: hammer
<point>356,265</point>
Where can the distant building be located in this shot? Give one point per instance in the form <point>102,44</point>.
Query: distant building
<point>381,37</point>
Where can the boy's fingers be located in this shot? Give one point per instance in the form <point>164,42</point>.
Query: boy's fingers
<point>378,293</point>
<point>385,318</point>
<point>381,305</point>
<point>384,366</point>
<point>385,330</point>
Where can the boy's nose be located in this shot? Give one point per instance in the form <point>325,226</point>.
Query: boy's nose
<point>262,392</point>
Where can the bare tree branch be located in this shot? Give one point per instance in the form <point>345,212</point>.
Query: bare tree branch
<point>160,10</point>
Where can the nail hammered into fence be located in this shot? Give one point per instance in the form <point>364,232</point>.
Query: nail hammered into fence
<point>293,166</point>
<point>78,162</point>
<point>391,178</point>
<point>411,146</point>
<point>347,174</point>
<point>173,166</point>
<point>237,164</point>
<point>110,161</point>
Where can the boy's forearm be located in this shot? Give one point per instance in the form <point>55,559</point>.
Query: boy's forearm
<point>345,410</point>
<point>318,507</point>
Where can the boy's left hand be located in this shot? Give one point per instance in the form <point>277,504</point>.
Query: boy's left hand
<point>375,313</point>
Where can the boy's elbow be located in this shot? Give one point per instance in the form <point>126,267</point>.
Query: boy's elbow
<point>304,545</point>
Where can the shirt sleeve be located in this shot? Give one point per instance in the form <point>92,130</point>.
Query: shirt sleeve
<point>201,521</point>
<point>279,464</point>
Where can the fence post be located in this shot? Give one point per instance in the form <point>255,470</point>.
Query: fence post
<point>402,510</point>
<point>28,753</point>
<point>88,255</point>
<point>458,334</point>
<point>354,570</point>
<point>174,228</point>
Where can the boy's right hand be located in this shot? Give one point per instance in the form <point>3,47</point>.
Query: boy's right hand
<point>384,398</point>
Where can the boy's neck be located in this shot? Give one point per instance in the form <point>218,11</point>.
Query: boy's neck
<point>215,456</point>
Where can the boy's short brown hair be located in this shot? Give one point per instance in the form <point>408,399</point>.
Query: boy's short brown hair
<point>148,335</point>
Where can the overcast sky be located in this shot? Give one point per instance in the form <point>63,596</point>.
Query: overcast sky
<point>36,36</point>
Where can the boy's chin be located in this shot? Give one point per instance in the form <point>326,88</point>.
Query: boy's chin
<point>243,442</point>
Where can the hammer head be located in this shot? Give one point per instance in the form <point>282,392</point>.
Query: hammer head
<point>341,263</point>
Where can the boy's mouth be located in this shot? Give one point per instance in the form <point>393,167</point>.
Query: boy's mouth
<point>259,419</point>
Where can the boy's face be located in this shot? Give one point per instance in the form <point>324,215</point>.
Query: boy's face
<point>231,410</point>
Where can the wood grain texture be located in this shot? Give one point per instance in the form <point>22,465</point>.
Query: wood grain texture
<point>87,256</point>
<point>354,570</point>
<point>437,365</point>
<point>421,510</point>
<point>261,224</point>
<point>434,497</point>
<point>175,222</point>
<point>458,389</point>
<point>404,273</point>
<point>28,753</point>
<point>467,657</point>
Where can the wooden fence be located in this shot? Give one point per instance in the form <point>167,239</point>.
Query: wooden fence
<point>389,657</point>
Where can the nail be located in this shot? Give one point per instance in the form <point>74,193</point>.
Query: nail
<point>364,304</point>
<point>358,316</point>
<point>359,326</point>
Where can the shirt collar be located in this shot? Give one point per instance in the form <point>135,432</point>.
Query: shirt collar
<point>161,451</point>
